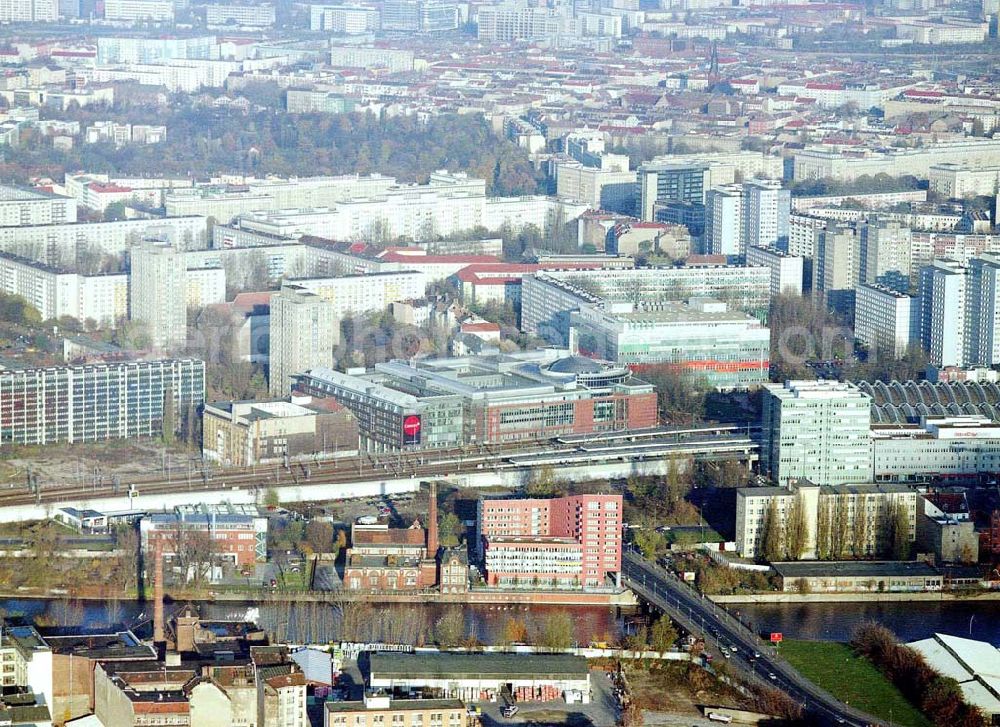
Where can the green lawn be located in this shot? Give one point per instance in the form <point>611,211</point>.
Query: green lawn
<point>851,679</point>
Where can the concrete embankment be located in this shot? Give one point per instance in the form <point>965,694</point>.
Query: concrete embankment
<point>940,596</point>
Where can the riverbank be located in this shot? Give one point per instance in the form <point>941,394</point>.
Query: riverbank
<point>620,599</point>
<point>792,598</point>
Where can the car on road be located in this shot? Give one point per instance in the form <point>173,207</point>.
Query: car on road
<point>733,649</point>
<point>772,676</point>
<point>509,711</point>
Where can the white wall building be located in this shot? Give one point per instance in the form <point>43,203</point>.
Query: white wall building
<point>786,270</point>
<point>886,321</point>
<point>158,294</point>
<point>303,334</point>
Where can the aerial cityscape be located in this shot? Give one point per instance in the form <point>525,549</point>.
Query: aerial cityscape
<point>468,363</point>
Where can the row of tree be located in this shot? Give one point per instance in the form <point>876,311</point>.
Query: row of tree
<point>842,530</point>
<point>938,697</point>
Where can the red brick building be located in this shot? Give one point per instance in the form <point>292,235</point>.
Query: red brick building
<point>563,542</point>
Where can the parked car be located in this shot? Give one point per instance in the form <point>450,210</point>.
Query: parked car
<point>509,711</point>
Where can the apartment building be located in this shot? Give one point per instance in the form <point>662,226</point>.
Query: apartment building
<point>243,16</point>
<point>377,711</point>
<point>158,294</point>
<point>613,190</point>
<point>787,270</point>
<point>884,254</point>
<point>860,517</point>
<point>957,181</point>
<point>564,542</point>
<point>55,293</point>
<point>886,321</point>
<point>724,220</point>
<point>20,207</point>
<point>766,208</point>
<point>126,50</point>
<point>943,290</point>
<point>393,60</point>
<point>357,294</point>
<point>836,267</point>
<point>344,19</point>
<point>302,336</point>
<point>816,430</point>
<point>96,402</point>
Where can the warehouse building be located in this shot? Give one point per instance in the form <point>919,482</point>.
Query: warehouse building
<point>482,677</point>
<point>871,576</point>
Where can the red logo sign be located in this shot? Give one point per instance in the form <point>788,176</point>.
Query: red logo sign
<point>776,637</point>
<point>411,425</point>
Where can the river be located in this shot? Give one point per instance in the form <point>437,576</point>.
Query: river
<point>414,623</point>
<point>318,622</point>
<point>909,620</point>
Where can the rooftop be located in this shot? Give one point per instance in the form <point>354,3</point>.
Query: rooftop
<point>855,569</point>
<point>484,666</point>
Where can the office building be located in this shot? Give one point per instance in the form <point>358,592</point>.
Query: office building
<point>303,334</point>
<point>958,181</point>
<point>247,433</point>
<point>943,312</point>
<point>816,430</point>
<point>548,298</point>
<point>133,11</point>
<point>724,221</point>
<point>766,209</point>
<point>939,446</point>
<point>158,294</point>
<point>613,190</point>
<point>431,403</point>
<point>671,182</point>
<point>238,532</point>
<point>562,542</point>
<point>729,349</point>
<point>787,270</point>
<point>886,321</point>
<point>61,403</point>
<point>841,507</point>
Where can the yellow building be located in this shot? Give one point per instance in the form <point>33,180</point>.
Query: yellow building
<point>380,711</point>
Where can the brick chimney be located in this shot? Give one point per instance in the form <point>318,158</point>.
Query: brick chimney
<point>159,635</point>
<point>432,523</point>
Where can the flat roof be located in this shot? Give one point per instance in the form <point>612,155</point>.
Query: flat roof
<point>396,705</point>
<point>854,569</point>
<point>482,666</point>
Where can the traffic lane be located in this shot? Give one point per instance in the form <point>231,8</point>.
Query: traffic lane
<point>785,679</point>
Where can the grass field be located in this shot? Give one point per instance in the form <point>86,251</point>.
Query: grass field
<point>836,668</point>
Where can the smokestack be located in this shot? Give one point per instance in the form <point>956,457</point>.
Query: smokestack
<point>432,524</point>
<point>158,631</point>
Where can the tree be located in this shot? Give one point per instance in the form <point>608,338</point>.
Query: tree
<point>514,631</point>
<point>860,528</point>
<point>449,629</point>
<point>650,542</point>
<point>797,529</point>
<point>662,634</point>
<point>824,525</point>
<point>557,631</point>
<point>450,528</point>
<point>900,530</point>
<point>839,525</point>
<point>319,535</point>
<point>169,423</point>
<point>542,483</point>
<point>772,537</point>
<point>271,499</point>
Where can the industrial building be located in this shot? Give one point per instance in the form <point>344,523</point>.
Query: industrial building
<point>499,398</point>
<point>482,677</point>
<point>975,665</point>
<point>865,576</point>
<point>246,433</point>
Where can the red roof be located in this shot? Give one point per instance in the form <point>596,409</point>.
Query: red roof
<point>397,257</point>
<point>826,86</point>
<point>246,301</point>
<point>102,188</point>
<point>485,327</point>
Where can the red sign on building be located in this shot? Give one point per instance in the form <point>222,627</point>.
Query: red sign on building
<point>411,429</point>
<point>776,637</point>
